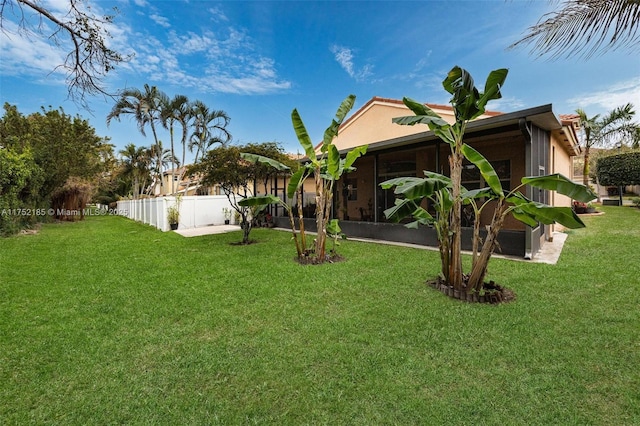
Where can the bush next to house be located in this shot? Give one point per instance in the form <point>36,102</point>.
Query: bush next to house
<point>619,169</point>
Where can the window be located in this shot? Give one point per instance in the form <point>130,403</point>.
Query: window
<point>350,189</point>
<point>471,178</point>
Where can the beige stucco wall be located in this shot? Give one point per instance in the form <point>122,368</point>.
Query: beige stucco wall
<point>560,162</point>
<point>373,123</point>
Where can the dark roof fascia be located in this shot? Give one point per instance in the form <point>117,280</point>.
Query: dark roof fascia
<point>542,116</point>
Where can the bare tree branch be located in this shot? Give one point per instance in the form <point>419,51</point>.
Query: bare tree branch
<point>90,59</point>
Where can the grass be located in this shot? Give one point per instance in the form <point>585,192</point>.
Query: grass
<point>112,322</point>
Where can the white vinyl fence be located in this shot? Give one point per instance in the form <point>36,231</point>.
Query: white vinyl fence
<point>195,211</point>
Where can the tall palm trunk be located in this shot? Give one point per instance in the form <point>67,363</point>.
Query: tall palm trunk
<point>585,167</point>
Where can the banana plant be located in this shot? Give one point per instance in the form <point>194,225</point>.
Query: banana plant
<point>326,168</point>
<point>448,195</point>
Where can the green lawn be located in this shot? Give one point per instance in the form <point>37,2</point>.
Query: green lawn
<point>110,321</point>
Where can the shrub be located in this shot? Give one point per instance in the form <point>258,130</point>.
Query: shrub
<point>619,170</point>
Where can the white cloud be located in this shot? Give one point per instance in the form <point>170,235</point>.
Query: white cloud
<point>193,43</point>
<point>209,62</point>
<point>506,104</point>
<point>160,20</point>
<point>226,60</point>
<point>618,94</point>
<point>31,54</point>
<point>344,56</point>
<point>217,14</point>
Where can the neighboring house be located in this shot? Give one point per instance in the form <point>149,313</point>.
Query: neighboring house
<point>528,142</point>
<point>174,181</point>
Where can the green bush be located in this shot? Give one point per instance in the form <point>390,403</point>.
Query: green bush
<point>20,179</point>
<point>619,170</point>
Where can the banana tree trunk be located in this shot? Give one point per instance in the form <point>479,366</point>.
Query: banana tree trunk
<point>479,270</point>
<point>320,204</point>
<point>455,265</point>
<point>303,236</point>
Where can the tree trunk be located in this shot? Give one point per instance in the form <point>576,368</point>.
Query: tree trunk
<point>442,231</point>
<point>476,238</point>
<point>320,204</point>
<point>173,161</point>
<point>455,265</point>
<point>292,222</point>
<point>476,279</point>
<point>303,236</point>
<point>328,198</point>
<point>585,167</point>
<point>246,229</point>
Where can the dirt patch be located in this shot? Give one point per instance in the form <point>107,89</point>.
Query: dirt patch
<point>241,243</point>
<point>310,259</point>
<point>491,292</point>
<point>32,231</point>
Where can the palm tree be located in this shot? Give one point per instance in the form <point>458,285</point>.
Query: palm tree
<point>584,28</point>
<point>172,110</point>
<point>160,158</point>
<point>136,167</point>
<point>605,131</point>
<point>210,127</point>
<point>143,106</point>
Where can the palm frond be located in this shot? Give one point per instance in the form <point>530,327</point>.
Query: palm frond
<point>585,28</point>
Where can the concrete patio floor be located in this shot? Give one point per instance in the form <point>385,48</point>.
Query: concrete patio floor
<point>549,254</point>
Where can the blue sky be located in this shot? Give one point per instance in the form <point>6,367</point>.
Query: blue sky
<point>259,60</point>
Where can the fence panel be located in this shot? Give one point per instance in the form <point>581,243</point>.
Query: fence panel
<point>195,211</point>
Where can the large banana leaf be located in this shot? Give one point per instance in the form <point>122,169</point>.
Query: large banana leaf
<point>345,107</point>
<point>333,163</point>
<point>353,155</point>
<point>418,188</point>
<point>465,94</point>
<point>329,134</point>
<point>562,185</point>
<point>421,111</point>
<point>303,136</point>
<point>478,193</point>
<point>401,209</point>
<point>333,228</point>
<point>422,216</point>
<point>524,217</point>
<point>492,87</point>
<point>390,183</point>
<point>548,215</point>
<point>486,169</point>
<point>259,200</point>
<point>332,130</point>
<point>425,115</point>
<point>434,175</point>
<point>255,158</point>
<point>296,180</point>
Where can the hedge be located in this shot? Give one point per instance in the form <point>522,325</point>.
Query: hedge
<point>619,170</point>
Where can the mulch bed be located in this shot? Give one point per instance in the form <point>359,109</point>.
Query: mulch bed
<point>310,259</point>
<point>491,293</point>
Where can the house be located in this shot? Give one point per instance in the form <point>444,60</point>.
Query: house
<point>175,181</point>
<point>528,142</point>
